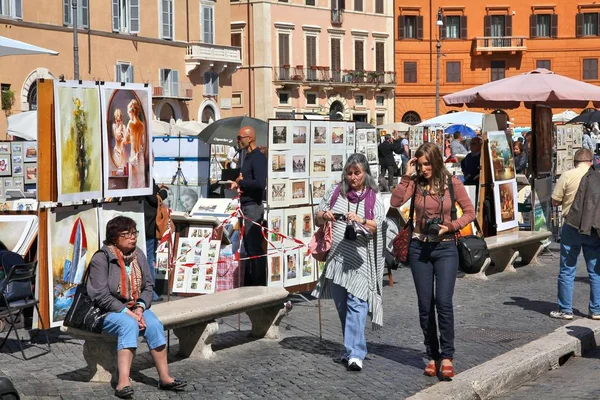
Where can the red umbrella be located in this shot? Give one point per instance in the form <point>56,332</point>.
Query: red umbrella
<point>538,86</point>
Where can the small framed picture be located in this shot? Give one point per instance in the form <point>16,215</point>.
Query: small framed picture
<point>299,194</point>
<point>5,165</point>
<point>4,147</point>
<point>279,164</point>
<point>17,148</point>
<point>279,192</point>
<point>280,139</point>
<point>31,173</point>
<point>30,151</point>
<point>319,163</point>
<point>320,135</point>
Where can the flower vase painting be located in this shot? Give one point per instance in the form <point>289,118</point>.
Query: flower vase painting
<point>78,140</point>
<point>126,139</point>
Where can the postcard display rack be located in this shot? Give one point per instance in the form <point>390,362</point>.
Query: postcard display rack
<point>569,139</point>
<point>305,159</point>
<point>94,158</point>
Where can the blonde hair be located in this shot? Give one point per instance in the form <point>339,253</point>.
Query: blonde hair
<point>135,107</point>
<point>118,114</point>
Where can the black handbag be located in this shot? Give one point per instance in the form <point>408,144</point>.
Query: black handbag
<point>83,313</point>
<point>472,249</point>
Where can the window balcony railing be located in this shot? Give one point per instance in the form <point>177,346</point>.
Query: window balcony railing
<point>325,75</point>
<point>173,89</point>
<point>500,43</point>
<point>337,16</point>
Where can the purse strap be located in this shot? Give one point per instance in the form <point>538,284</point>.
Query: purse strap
<point>86,274</point>
<point>453,210</point>
<point>410,222</point>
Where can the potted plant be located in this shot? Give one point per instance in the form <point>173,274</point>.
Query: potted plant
<point>8,99</point>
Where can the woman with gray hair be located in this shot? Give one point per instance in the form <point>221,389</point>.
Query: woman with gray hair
<point>354,266</point>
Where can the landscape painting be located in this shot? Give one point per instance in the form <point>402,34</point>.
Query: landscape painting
<point>78,141</point>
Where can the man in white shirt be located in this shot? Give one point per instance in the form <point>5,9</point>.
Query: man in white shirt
<point>233,156</point>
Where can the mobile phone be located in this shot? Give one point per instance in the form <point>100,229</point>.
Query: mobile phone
<point>339,217</point>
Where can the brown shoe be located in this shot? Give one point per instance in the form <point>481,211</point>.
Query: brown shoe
<point>431,368</point>
<point>447,370</point>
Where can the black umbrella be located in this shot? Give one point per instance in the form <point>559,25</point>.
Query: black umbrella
<point>363,125</point>
<point>225,131</point>
<point>588,117</point>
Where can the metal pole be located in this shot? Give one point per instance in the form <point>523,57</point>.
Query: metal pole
<point>438,47</point>
<point>75,43</point>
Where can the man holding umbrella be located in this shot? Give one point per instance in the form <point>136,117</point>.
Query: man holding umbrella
<point>252,183</point>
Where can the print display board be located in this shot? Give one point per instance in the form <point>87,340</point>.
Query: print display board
<point>569,139</point>
<point>78,140</point>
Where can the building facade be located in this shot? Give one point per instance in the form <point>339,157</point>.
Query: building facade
<point>482,42</point>
<point>175,45</point>
<point>328,57</point>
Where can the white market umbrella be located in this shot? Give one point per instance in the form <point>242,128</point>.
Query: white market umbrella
<point>396,126</point>
<point>11,47</point>
<point>161,128</point>
<point>191,126</point>
<point>470,118</point>
<point>564,116</point>
<point>23,125</point>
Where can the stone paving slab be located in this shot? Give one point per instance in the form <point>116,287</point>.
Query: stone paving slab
<point>492,317</point>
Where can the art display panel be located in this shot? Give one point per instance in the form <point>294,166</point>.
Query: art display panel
<point>196,265</point>
<point>501,156</point>
<point>78,141</point>
<point>131,209</point>
<point>506,204</point>
<point>126,139</point>
<point>72,241</point>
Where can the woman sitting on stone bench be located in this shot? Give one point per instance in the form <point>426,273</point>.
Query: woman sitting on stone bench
<point>120,283</point>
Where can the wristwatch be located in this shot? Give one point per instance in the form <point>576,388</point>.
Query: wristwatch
<point>364,221</point>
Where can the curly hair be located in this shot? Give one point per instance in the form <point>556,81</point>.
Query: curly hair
<point>116,226</point>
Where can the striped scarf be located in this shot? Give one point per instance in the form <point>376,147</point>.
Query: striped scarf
<point>130,284</point>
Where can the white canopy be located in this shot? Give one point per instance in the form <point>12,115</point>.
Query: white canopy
<point>23,125</point>
<point>396,126</point>
<point>11,47</point>
<point>172,128</point>
<point>470,118</point>
<point>564,116</point>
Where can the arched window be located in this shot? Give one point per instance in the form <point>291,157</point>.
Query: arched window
<point>336,111</point>
<point>208,115</point>
<point>452,111</point>
<point>411,118</point>
<point>32,96</point>
<point>166,113</point>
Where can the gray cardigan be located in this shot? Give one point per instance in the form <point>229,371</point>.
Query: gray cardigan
<point>105,277</point>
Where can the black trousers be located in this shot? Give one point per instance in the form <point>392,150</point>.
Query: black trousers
<point>391,170</point>
<point>255,269</point>
<point>434,266</point>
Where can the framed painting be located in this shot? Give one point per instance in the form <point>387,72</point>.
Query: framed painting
<point>72,241</point>
<point>279,164</point>
<point>126,139</point>
<point>16,148</point>
<point>280,138</point>
<point>30,151</point>
<point>320,136</point>
<point>275,262</point>
<point>305,223</point>
<point>501,156</point>
<point>338,134</point>
<point>78,140</point>
<point>291,223</point>
<point>275,223</point>
<point>336,162</point>
<point>319,163</point>
<point>300,135</point>
<point>31,173</point>
<point>318,187</point>
<point>291,276</point>
<point>299,191</point>
<point>279,192</point>
<point>4,148</point>
<point>17,164</point>
<point>306,268</point>
<point>505,199</point>
<point>5,165</point>
<point>299,163</point>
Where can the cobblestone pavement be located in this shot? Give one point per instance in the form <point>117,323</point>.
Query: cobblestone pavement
<point>576,379</point>
<point>492,318</point>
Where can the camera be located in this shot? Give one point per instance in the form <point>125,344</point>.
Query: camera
<point>350,232</point>
<point>339,217</point>
<point>432,228</point>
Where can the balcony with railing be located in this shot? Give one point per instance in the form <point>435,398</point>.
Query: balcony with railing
<point>492,44</point>
<point>337,16</point>
<point>173,89</point>
<point>212,56</point>
<point>317,75</point>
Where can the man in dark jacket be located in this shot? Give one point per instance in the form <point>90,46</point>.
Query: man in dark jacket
<point>386,151</point>
<point>577,192</point>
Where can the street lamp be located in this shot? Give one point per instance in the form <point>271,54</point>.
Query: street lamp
<point>438,46</point>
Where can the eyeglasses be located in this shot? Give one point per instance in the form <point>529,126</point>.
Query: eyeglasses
<point>130,235</point>
<point>241,137</point>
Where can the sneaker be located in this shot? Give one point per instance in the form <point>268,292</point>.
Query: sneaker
<point>355,364</point>
<point>595,316</point>
<point>341,360</point>
<point>563,315</point>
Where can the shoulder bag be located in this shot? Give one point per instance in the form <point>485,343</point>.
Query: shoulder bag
<point>83,313</point>
<point>403,238</point>
<point>472,249</point>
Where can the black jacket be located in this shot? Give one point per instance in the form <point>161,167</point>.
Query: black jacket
<point>584,214</point>
<point>386,152</point>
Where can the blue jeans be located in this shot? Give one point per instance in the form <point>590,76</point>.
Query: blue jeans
<point>151,256</point>
<point>434,266</point>
<point>571,244</point>
<point>127,330</point>
<point>353,316</point>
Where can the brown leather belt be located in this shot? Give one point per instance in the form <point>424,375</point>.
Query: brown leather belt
<point>425,238</point>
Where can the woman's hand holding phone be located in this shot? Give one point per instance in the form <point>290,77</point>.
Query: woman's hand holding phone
<point>411,166</point>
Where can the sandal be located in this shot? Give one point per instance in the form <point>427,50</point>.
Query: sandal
<point>448,370</point>
<point>124,393</point>
<point>430,369</point>
<point>177,384</point>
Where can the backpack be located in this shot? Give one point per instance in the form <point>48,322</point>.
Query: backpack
<point>163,220</point>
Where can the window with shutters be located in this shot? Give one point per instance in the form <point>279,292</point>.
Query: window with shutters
<point>453,71</point>
<point>543,64</point>
<point>380,56</point>
<point>590,69</point>
<point>380,119</point>
<point>126,16</point>
<point>380,101</point>
<point>452,27</point>
<point>124,72</point>
<point>284,97</point>
<point>166,19</point>
<point>410,27</point>
<point>543,25</point>
<point>310,2</point>
<point>358,5</point>
<point>359,55</point>
<point>379,7</point>
<point>410,72</point>
<point>211,83</point>
<point>498,26</point>
<point>169,80</point>
<point>284,55</point>
<point>207,11</point>
<point>311,58</point>
<point>83,16</point>
<point>11,8</point>
<point>236,41</point>
<point>336,59</point>
<point>590,24</point>
<point>497,70</point>
<point>311,98</point>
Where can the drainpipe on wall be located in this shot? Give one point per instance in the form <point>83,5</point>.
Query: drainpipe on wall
<point>249,53</point>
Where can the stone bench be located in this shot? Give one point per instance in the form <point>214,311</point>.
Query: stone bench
<point>192,320</point>
<point>505,249</point>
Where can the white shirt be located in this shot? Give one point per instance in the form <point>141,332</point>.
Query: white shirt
<point>231,154</point>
